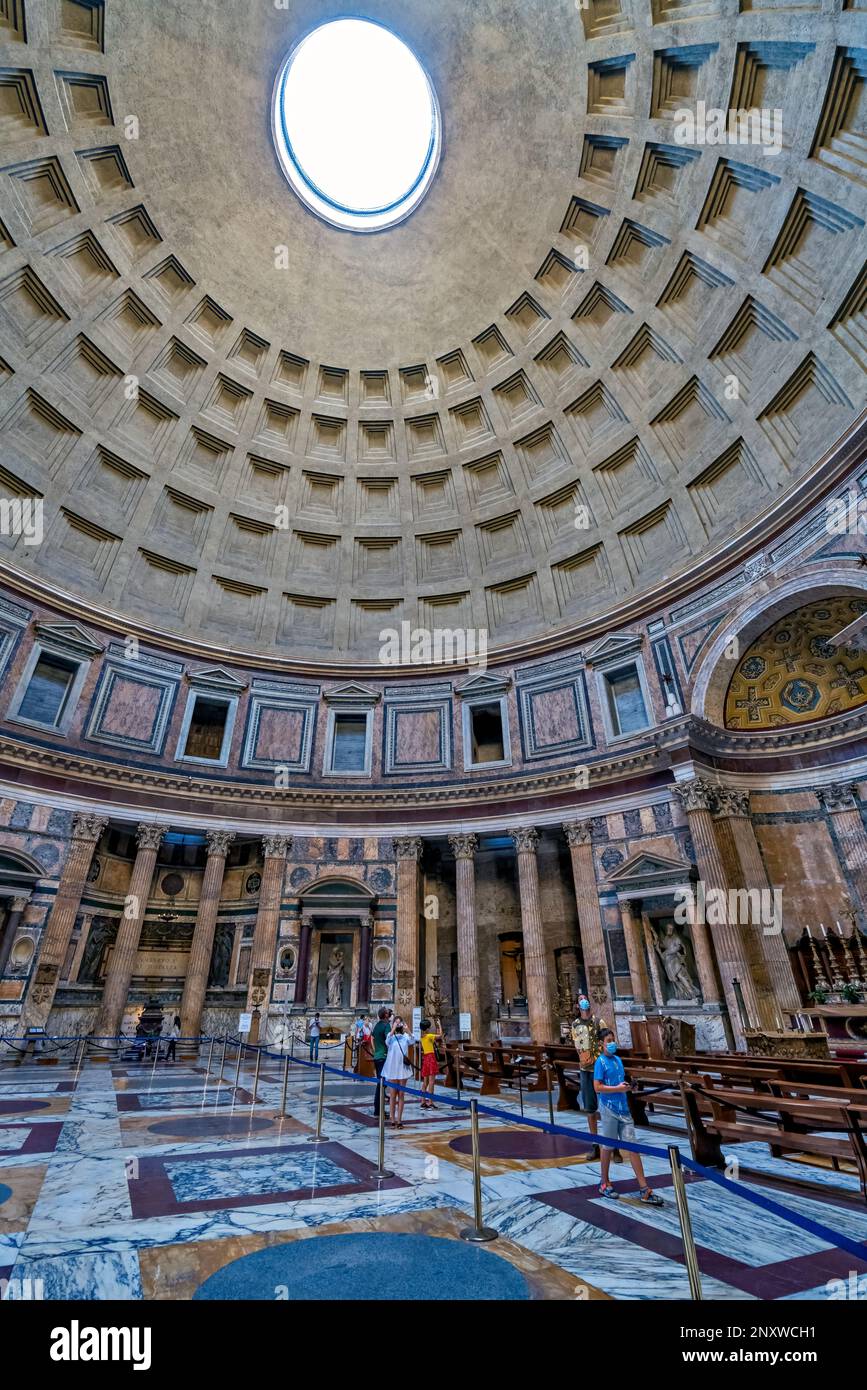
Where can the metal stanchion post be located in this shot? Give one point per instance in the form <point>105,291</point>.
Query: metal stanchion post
<point>478,1233</point>
<point>240,1055</point>
<point>292,1048</point>
<point>550,1096</point>
<point>381,1171</point>
<point>521,1088</point>
<point>256,1077</point>
<point>156,1055</point>
<point>210,1055</point>
<point>458,1067</point>
<point>285,1085</point>
<point>223,1058</point>
<point>689,1253</point>
<point>317,1137</point>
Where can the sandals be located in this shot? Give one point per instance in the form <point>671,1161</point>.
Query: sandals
<point>606,1190</point>
<point>649,1198</point>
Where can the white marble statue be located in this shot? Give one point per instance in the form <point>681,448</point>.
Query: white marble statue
<point>336,973</point>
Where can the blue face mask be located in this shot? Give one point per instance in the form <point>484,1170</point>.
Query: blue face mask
<point>611,1048</point>
<point>583,1003</point>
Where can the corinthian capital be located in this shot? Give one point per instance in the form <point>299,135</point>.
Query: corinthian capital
<point>578,832</point>
<point>464,846</point>
<point>697,794</point>
<point>150,836</point>
<point>526,837</point>
<point>276,846</point>
<point>408,847</point>
<point>729,801</point>
<point>218,842</point>
<point>837,796</point>
<point>85,827</point>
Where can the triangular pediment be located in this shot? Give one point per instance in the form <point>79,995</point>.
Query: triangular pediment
<point>353,693</point>
<point>69,637</point>
<point>612,647</point>
<point>484,684</point>
<point>647,868</point>
<point>216,678</point>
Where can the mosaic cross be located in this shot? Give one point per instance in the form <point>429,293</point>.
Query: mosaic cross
<point>849,680</point>
<point>789,660</point>
<point>753,704</point>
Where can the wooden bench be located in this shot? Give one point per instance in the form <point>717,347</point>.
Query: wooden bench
<point>786,1125</point>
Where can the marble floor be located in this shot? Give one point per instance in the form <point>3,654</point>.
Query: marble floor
<point>118,1183</point>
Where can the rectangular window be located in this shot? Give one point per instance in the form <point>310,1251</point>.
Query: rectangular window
<point>626,706</point>
<point>349,746</point>
<point>487,740</point>
<point>47,695</point>
<point>207,730</point>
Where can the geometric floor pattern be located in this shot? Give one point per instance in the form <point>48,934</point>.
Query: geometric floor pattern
<point>126,1184</point>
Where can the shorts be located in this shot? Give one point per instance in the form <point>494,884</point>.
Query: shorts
<point>429,1065</point>
<point>588,1099</point>
<point>614,1126</point>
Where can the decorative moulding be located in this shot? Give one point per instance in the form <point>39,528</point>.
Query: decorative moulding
<point>484,685</point>
<point>613,648</point>
<point>352,694</point>
<point>216,678</point>
<point>68,637</point>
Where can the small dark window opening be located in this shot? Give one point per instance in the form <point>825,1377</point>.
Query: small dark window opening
<point>626,701</point>
<point>48,690</point>
<point>488,745</point>
<point>207,729</point>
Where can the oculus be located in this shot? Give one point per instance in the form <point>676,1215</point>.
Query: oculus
<point>357,125</point>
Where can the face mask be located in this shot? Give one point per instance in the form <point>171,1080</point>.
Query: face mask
<point>611,1048</point>
<point>583,1003</point>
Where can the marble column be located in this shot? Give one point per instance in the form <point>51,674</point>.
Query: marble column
<point>408,853</point>
<point>840,800</point>
<point>17,908</point>
<point>202,947</point>
<point>84,933</point>
<point>633,933</point>
<point>469,992</point>
<point>590,930</point>
<point>538,976</point>
<point>732,815</point>
<point>122,960</point>
<point>365,935</point>
<point>732,957</point>
<point>86,830</point>
<point>275,847</point>
<point>302,964</point>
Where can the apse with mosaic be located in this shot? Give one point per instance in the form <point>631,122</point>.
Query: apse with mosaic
<point>433,491</point>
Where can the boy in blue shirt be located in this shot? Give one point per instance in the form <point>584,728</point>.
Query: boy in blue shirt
<point>609,1081</point>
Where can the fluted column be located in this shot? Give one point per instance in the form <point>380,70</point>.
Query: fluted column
<point>732,811</point>
<point>535,955</point>
<point>302,965</point>
<point>469,993</point>
<point>86,831</point>
<point>275,848</point>
<point>590,931</point>
<point>697,797</point>
<point>630,915</point>
<point>408,851</point>
<point>201,950</point>
<point>122,962</point>
<point>13,922</point>
<point>840,800</point>
<point>364,961</point>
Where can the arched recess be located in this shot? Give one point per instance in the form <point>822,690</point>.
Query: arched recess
<point>18,872</point>
<point>19,875</point>
<point>334,949</point>
<point>755,616</point>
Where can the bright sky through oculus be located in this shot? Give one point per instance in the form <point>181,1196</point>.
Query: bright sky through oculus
<point>357,124</point>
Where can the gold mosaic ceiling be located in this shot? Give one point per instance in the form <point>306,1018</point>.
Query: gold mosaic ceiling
<point>792,674</point>
<point>453,423</point>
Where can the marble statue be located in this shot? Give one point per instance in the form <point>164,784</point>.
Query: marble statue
<point>671,950</point>
<point>222,955</point>
<point>336,973</point>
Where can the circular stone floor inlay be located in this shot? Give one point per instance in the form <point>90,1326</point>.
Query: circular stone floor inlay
<point>520,1144</point>
<point>378,1266</point>
<point>12,1107</point>
<point>355,1090</point>
<point>208,1126</point>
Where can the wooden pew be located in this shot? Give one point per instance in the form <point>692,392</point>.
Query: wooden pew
<point>786,1125</point>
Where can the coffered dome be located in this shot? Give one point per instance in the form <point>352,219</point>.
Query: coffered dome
<point>602,348</point>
